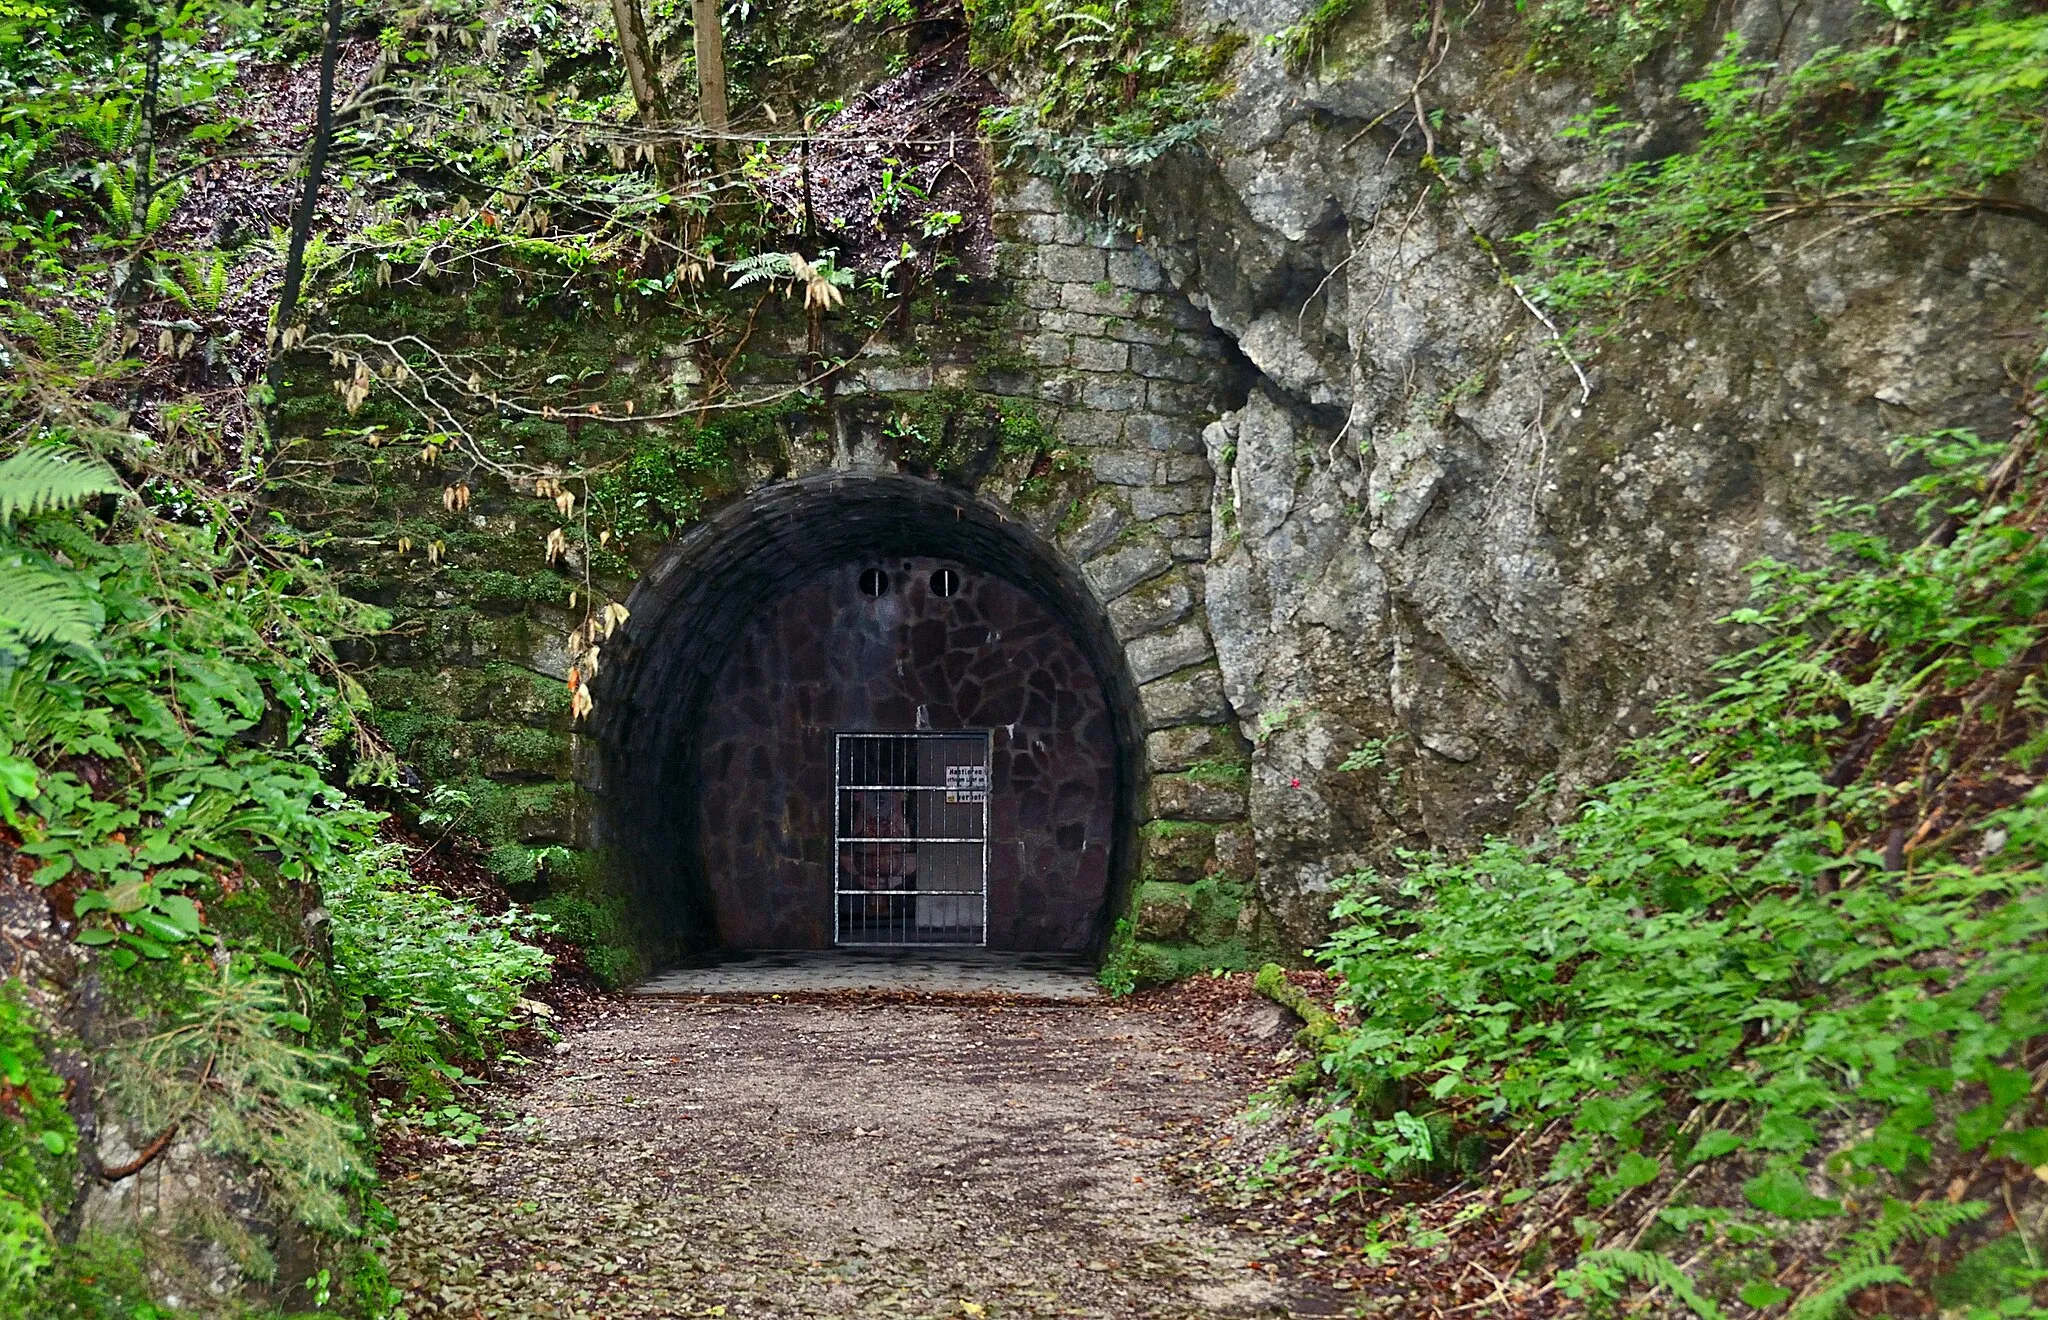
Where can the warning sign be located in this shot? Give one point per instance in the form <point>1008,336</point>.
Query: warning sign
<point>966,783</point>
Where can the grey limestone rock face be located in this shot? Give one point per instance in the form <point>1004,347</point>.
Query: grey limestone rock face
<point>1428,539</point>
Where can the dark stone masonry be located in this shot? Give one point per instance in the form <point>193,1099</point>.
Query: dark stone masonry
<point>827,658</point>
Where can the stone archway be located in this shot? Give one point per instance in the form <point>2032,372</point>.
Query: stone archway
<point>713,624</point>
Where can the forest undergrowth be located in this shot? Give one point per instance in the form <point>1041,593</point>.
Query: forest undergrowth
<point>1759,1030</point>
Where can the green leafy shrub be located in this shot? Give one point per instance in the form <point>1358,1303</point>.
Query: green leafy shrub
<point>1819,892</point>
<point>130,756</point>
<point>429,980</point>
<point>1927,122</point>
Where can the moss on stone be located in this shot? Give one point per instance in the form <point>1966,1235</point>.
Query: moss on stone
<point>1176,850</point>
<point>1214,907</point>
<point>600,925</point>
<point>1215,771</point>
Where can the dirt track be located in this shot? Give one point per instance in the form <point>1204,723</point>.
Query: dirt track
<point>745,1159</point>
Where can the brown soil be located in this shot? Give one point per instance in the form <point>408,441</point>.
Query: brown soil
<point>749,1158</point>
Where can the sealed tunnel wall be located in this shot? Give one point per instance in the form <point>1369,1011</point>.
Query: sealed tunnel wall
<point>828,657</point>
<point>658,695</point>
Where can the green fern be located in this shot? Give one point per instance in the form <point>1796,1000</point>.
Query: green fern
<point>40,606</point>
<point>1828,1302</point>
<point>205,284</point>
<point>1657,1270</point>
<point>162,203</point>
<point>1865,1260</point>
<point>120,206</point>
<point>42,479</point>
<point>1899,1223</point>
<point>757,267</point>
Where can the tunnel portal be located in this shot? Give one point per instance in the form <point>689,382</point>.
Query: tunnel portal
<point>906,751</point>
<point>867,710</point>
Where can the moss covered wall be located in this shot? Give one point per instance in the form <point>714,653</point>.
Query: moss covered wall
<point>1070,388</point>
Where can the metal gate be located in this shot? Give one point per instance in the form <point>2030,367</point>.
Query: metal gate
<point>910,823</point>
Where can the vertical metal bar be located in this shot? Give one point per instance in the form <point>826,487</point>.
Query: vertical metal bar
<point>838,832</point>
<point>988,780</point>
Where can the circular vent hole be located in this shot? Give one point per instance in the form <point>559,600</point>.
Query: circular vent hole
<point>945,582</point>
<point>873,582</point>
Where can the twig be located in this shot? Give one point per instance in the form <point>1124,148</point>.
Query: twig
<point>140,1162</point>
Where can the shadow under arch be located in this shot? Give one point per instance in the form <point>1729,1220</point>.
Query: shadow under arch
<point>689,607</point>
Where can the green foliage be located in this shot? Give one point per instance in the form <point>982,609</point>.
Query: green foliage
<point>1118,84</point>
<point>37,606</point>
<point>234,1068</point>
<point>1928,122</point>
<point>1648,1267</point>
<point>175,730</point>
<point>199,647</point>
<point>601,928</point>
<point>1133,964</point>
<point>1215,770</point>
<point>661,487</point>
<point>1864,1261</point>
<point>43,479</point>
<point>2002,1269</point>
<point>1119,971</point>
<point>429,981</point>
<point>1721,926</point>
<point>1606,40</point>
<point>103,1276</point>
<point>36,1139</point>
<point>945,432</point>
<point>1302,42</point>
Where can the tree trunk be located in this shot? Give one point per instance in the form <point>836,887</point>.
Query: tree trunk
<point>709,36</point>
<point>145,143</point>
<point>316,167</point>
<point>641,70</point>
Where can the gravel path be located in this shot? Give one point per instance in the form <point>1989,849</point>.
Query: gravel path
<point>749,1159</point>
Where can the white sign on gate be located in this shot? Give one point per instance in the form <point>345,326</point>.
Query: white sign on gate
<point>966,783</point>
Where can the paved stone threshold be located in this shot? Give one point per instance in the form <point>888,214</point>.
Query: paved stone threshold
<point>1039,976</point>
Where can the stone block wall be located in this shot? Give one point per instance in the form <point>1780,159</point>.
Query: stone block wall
<point>826,657</point>
<point>1135,374</point>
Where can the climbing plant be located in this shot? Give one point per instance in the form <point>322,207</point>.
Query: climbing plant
<point>1927,119</point>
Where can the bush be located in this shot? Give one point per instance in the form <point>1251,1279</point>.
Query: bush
<point>1814,914</point>
<point>429,980</point>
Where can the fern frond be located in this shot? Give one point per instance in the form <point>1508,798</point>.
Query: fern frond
<point>41,479</point>
<point>165,201</point>
<point>1900,1224</point>
<point>40,606</point>
<point>1828,1302</point>
<point>1657,1270</point>
<point>167,284</point>
<point>760,266</point>
<point>120,209</point>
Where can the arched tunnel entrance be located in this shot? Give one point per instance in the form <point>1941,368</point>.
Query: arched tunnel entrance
<point>867,710</point>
